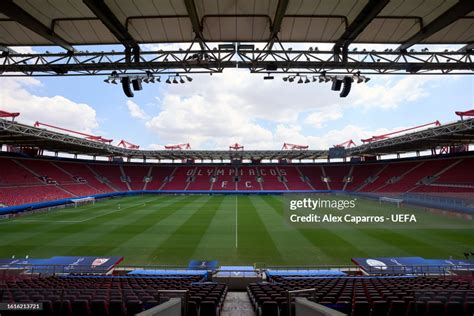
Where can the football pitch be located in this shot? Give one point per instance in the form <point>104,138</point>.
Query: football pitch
<point>235,230</point>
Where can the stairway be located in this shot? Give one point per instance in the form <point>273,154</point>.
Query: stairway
<point>107,183</point>
<point>237,304</point>
<point>148,175</point>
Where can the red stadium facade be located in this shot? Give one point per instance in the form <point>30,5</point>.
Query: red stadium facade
<point>47,180</point>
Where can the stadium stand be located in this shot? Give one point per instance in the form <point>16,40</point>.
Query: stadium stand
<point>294,178</point>
<point>314,174</point>
<point>15,174</point>
<point>79,171</point>
<point>201,178</point>
<point>248,179</point>
<point>271,179</point>
<point>360,174</point>
<point>158,176</point>
<point>178,179</point>
<point>336,175</point>
<point>47,169</point>
<point>113,174</point>
<point>38,193</point>
<point>136,174</point>
<point>460,173</point>
<point>225,179</point>
<point>393,173</point>
<point>113,295</point>
<point>51,180</point>
<point>368,296</point>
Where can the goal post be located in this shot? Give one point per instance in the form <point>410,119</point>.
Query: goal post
<point>83,201</point>
<point>385,199</point>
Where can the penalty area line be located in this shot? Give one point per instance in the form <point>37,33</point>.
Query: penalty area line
<point>31,220</point>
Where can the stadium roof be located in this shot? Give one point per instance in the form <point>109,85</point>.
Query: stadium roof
<point>452,134</point>
<point>74,22</point>
<point>16,134</point>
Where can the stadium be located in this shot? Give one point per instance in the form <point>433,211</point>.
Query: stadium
<point>244,197</point>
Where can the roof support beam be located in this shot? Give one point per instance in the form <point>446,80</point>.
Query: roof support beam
<point>108,18</point>
<point>466,48</point>
<point>16,13</point>
<point>460,9</point>
<point>276,24</point>
<point>365,16</point>
<point>7,50</point>
<point>196,24</point>
<point>278,19</point>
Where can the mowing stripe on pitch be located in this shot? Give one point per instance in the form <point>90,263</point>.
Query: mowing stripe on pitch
<point>236,222</point>
<point>78,221</point>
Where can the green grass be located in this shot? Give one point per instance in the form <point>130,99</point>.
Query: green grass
<point>154,229</point>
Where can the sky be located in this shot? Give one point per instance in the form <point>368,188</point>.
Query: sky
<point>213,112</point>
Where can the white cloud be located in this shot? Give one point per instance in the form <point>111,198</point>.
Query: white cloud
<point>392,92</point>
<point>154,147</point>
<point>294,134</point>
<point>194,120</point>
<point>272,100</point>
<point>136,111</point>
<point>15,96</point>
<point>319,118</point>
<point>23,49</point>
<point>237,107</point>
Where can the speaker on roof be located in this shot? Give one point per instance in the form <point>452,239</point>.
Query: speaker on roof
<point>137,84</point>
<point>346,88</point>
<point>126,87</point>
<point>336,84</point>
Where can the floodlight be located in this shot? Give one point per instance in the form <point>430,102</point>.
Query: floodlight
<point>181,80</point>
<point>174,80</point>
<point>301,80</point>
<point>168,80</point>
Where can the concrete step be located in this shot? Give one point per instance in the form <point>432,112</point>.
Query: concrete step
<point>237,304</point>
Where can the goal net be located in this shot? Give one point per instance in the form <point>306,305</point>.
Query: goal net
<point>83,201</point>
<point>384,199</point>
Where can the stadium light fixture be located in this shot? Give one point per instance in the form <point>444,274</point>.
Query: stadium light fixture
<point>307,80</point>
<point>181,80</point>
<point>168,81</point>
